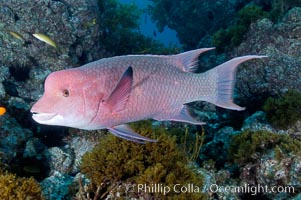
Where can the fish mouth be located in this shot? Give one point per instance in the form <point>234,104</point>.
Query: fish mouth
<point>48,118</point>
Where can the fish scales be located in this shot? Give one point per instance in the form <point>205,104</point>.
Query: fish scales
<point>112,92</point>
<point>157,84</point>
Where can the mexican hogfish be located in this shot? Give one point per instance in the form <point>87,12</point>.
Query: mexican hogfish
<point>108,93</point>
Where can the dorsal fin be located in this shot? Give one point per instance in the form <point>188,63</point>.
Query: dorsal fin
<point>188,60</point>
<point>120,94</point>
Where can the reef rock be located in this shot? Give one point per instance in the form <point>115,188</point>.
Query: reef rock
<point>59,159</point>
<point>281,70</point>
<point>218,147</point>
<point>33,149</point>
<point>12,138</point>
<point>71,24</point>
<point>80,145</point>
<point>295,130</point>
<point>56,186</point>
<point>270,171</point>
<point>67,159</point>
<point>258,121</point>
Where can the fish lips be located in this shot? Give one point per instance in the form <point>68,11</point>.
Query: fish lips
<point>48,118</point>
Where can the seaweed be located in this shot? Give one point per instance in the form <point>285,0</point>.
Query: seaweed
<point>280,7</point>
<point>227,39</point>
<point>249,145</point>
<point>114,163</point>
<point>189,142</point>
<point>285,110</point>
<point>13,187</point>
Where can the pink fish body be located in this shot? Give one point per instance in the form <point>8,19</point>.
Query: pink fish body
<point>111,92</point>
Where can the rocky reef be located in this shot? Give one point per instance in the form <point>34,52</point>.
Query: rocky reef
<point>257,146</point>
<point>213,14</point>
<point>279,72</point>
<point>68,23</point>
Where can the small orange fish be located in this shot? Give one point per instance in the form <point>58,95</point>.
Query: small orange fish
<point>2,110</point>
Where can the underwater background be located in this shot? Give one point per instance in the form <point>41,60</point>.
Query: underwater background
<point>254,148</point>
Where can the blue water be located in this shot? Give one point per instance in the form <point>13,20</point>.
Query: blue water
<point>148,28</point>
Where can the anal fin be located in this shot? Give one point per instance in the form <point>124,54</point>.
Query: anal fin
<point>179,114</point>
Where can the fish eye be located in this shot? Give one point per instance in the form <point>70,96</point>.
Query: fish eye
<point>66,93</point>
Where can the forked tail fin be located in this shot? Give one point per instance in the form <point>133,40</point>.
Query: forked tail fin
<point>224,76</point>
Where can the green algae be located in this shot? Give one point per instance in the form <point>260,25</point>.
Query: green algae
<point>115,162</point>
<point>249,145</point>
<point>227,39</point>
<point>285,110</point>
<point>18,188</point>
<point>13,187</point>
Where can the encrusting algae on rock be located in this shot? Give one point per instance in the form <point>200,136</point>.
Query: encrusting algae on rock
<point>249,145</point>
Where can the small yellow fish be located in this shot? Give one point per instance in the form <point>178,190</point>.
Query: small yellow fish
<point>45,38</point>
<point>94,21</point>
<point>89,23</point>
<point>16,35</point>
<point>2,111</point>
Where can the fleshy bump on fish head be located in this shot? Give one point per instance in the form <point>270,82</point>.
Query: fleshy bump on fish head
<point>63,102</point>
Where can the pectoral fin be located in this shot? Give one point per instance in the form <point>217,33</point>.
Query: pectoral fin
<point>179,114</point>
<point>125,132</point>
<point>121,93</point>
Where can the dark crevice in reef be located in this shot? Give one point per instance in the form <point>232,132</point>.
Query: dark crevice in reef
<point>20,74</point>
<point>30,167</point>
<point>10,88</point>
<point>52,135</point>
